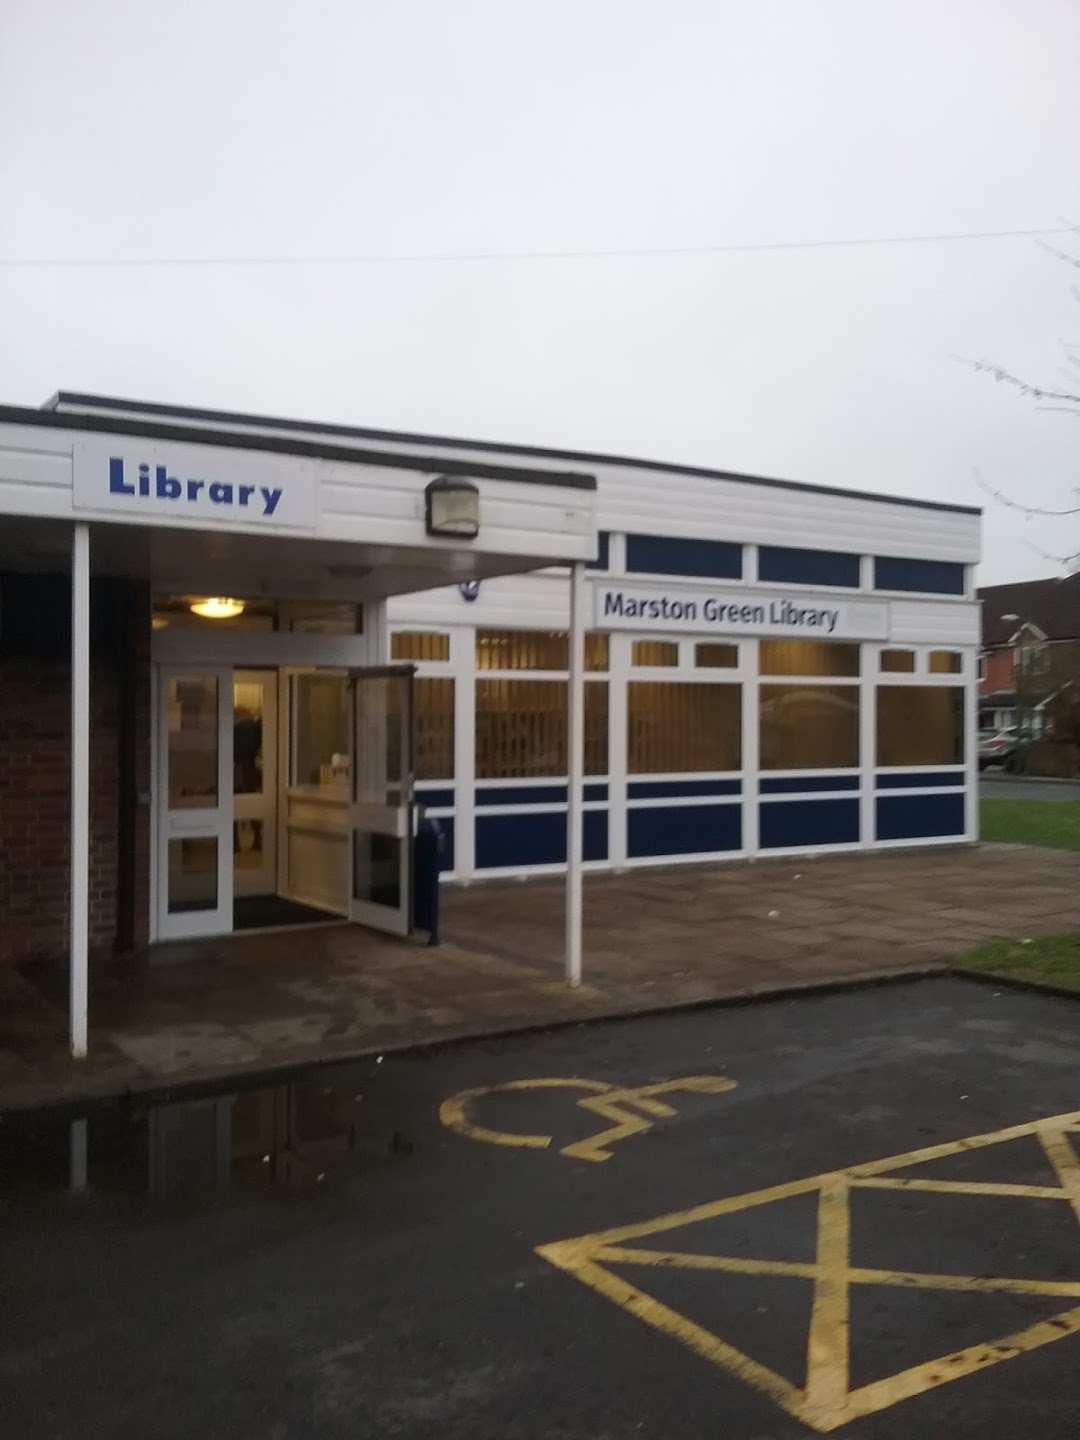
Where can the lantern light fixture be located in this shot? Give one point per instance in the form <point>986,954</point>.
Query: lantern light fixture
<point>452,508</point>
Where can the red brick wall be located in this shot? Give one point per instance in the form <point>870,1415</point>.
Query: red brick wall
<point>35,770</point>
<point>999,672</point>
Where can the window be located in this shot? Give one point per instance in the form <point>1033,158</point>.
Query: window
<point>809,727</point>
<point>898,661</point>
<point>712,656</point>
<point>654,653</point>
<point>665,555</point>
<point>320,730</point>
<point>1031,660</point>
<point>982,667</point>
<point>675,729</point>
<point>920,725</point>
<point>809,657</point>
<point>926,577</point>
<point>603,552</point>
<point>433,712</point>
<point>946,662</point>
<point>535,650</point>
<point>808,567</point>
<point>521,729</point>
<point>420,645</point>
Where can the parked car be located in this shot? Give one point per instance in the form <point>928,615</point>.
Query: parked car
<point>998,747</point>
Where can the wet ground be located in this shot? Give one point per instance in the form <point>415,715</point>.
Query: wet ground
<point>855,1213</point>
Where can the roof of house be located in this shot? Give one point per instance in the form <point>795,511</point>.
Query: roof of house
<point>71,401</point>
<point>1052,604</point>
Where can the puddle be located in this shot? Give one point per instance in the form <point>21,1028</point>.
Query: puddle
<point>306,1133</point>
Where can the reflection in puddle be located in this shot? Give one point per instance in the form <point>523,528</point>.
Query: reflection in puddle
<point>287,1135</point>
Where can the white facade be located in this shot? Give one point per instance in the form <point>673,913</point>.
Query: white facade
<point>882,587</point>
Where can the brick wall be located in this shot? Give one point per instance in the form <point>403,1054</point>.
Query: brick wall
<point>35,768</point>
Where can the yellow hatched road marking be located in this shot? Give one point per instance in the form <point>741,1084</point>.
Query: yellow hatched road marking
<point>827,1401</point>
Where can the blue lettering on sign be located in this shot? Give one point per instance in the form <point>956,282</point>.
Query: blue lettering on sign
<point>726,614</point>
<point>163,486</point>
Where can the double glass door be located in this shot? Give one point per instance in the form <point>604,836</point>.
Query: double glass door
<point>227,802</point>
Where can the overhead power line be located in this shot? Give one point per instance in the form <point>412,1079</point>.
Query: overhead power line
<point>116,262</point>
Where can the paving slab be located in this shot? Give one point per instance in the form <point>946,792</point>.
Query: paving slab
<point>653,940</point>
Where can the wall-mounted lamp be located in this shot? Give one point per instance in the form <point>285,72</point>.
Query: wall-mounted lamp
<point>452,508</point>
<point>217,607</point>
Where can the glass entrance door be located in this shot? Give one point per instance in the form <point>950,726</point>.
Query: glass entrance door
<point>255,782</point>
<point>381,799</point>
<point>194,789</point>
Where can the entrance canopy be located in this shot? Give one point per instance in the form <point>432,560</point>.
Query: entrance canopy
<point>231,512</point>
<point>228,514</point>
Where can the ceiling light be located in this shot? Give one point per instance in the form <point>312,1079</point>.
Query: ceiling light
<point>217,607</point>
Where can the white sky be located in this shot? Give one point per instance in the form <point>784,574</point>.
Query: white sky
<point>255,128</point>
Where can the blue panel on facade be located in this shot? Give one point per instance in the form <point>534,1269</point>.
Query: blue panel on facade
<point>534,794</point>
<point>435,799</point>
<point>684,830</point>
<point>800,784</point>
<point>517,841</point>
<point>679,789</point>
<point>662,555</point>
<point>789,824</point>
<point>808,567</point>
<point>922,577</point>
<point>603,552</point>
<point>921,780</point>
<point>919,817</point>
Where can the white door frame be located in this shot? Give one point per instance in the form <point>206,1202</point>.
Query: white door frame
<point>371,812</point>
<point>210,822</point>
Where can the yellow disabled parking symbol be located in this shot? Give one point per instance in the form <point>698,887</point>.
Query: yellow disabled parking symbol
<point>628,1110</point>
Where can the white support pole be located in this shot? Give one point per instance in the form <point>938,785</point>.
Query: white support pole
<point>80,787</point>
<point>575,798</point>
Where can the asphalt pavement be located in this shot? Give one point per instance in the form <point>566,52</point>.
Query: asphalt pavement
<point>997,785</point>
<point>852,1213</point>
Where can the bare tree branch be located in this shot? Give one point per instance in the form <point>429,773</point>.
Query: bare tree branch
<point>1011,504</point>
<point>1033,392</point>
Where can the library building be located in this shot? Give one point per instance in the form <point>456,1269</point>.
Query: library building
<point>239,656</point>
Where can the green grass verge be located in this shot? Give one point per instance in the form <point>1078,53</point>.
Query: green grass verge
<point>1051,823</point>
<point>1053,961</point>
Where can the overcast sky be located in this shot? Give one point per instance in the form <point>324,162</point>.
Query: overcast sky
<point>257,129</point>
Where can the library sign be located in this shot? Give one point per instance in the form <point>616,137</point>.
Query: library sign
<point>778,615</point>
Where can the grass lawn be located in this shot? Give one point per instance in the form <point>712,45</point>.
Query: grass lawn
<point>1054,961</point>
<point>1051,823</point>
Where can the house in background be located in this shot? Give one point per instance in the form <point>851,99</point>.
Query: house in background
<point>1030,638</point>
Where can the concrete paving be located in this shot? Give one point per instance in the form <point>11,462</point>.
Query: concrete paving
<point>653,940</point>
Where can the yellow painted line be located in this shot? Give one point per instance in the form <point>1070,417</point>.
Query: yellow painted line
<point>826,1403</point>
<point>884,1393</point>
<point>959,1147</point>
<point>615,1107</point>
<point>854,1274</point>
<point>1062,1156</point>
<point>645,1307</point>
<point>453,1114</point>
<point>960,1187</point>
<point>827,1343</point>
<point>687,1260</point>
<point>611,1102</point>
